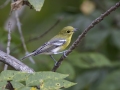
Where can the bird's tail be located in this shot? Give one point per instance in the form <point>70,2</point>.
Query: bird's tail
<point>28,55</point>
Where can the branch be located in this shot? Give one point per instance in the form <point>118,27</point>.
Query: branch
<point>15,63</point>
<point>21,36</point>
<point>80,37</point>
<point>8,43</point>
<point>55,24</point>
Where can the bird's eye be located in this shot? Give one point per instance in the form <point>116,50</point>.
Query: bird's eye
<point>68,31</point>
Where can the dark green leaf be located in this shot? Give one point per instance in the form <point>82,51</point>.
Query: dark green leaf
<point>116,37</point>
<point>111,82</point>
<point>94,39</point>
<point>86,79</point>
<point>67,68</point>
<point>89,60</point>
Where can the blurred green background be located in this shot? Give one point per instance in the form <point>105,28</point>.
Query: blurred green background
<point>94,64</point>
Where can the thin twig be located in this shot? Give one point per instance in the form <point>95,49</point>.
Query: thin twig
<point>38,37</point>
<point>80,37</point>
<point>4,4</point>
<point>8,43</point>
<point>15,63</point>
<point>21,36</point>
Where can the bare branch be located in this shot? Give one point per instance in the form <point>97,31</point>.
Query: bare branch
<point>9,38</point>
<point>21,36</point>
<point>8,43</point>
<point>80,37</point>
<point>15,63</point>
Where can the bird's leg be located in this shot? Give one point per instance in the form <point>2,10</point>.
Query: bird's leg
<point>64,53</point>
<point>53,59</point>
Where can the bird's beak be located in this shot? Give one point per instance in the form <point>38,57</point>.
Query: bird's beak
<point>75,29</point>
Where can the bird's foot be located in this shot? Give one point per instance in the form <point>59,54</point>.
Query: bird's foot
<point>64,53</point>
<point>55,64</point>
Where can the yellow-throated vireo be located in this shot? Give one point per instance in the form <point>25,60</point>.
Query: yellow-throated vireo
<point>57,44</point>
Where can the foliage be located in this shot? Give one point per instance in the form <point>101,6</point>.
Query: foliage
<point>37,4</point>
<point>44,80</point>
<point>94,65</point>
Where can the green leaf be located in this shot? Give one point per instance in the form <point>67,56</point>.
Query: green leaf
<point>3,88</point>
<point>111,82</point>
<point>3,84</point>
<point>46,79</point>
<point>116,37</point>
<point>86,79</point>
<point>89,60</point>
<point>94,39</point>
<point>10,75</point>
<point>37,77</point>
<point>52,84</point>
<point>37,4</point>
<point>67,68</point>
<point>22,77</point>
<point>17,85</point>
<point>25,88</point>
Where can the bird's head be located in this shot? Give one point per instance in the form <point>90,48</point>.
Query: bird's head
<point>67,31</point>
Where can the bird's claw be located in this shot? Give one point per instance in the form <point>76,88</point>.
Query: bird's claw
<point>64,53</point>
<point>55,64</point>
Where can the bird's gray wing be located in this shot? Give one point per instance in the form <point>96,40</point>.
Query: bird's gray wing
<point>49,46</point>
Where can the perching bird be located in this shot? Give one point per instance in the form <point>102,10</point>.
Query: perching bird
<point>57,44</point>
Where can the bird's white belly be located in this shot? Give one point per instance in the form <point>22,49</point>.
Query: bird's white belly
<point>55,50</point>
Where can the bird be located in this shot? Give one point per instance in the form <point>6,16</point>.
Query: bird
<point>56,45</point>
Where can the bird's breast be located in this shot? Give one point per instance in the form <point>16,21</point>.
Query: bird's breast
<point>66,44</point>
